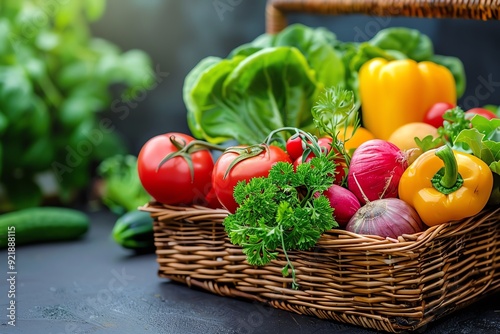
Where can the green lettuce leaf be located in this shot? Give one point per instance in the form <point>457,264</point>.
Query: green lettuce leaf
<point>268,83</point>
<point>483,139</point>
<point>316,44</point>
<point>246,98</point>
<point>410,42</point>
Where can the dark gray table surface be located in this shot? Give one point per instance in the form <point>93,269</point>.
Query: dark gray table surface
<point>94,286</point>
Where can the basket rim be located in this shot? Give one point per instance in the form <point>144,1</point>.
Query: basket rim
<point>334,238</point>
<point>484,10</point>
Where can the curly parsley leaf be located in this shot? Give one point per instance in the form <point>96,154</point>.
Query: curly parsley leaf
<point>454,122</point>
<point>284,210</point>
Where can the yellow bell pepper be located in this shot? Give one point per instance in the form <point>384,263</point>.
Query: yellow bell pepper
<point>397,92</point>
<point>443,185</point>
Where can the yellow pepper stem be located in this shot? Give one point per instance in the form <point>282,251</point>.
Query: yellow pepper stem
<point>447,179</point>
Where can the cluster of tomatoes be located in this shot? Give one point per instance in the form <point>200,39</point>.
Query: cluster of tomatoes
<point>176,169</point>
<point>434,115</point>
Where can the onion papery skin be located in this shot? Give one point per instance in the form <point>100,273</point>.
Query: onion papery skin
<point>388,217</point>
<point>375,170</point>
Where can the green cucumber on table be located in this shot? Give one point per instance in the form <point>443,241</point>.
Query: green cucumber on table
<point>134,230</point>
<point>42,224</point>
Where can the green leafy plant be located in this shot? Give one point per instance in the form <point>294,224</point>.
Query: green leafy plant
<point>122,190</point>
<point>55,78</point>
<point>274,80</point>
<point>269,83</point>
<point>285,210</point>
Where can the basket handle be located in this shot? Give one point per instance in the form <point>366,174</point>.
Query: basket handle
<point>276,10</point>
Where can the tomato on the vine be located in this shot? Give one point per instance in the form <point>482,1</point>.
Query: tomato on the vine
<point>175,181</point>
<point>325,143</point>
<point>256,161</point>
<point>481,112</point>
<point>434,115</point>
<point>295,146</point>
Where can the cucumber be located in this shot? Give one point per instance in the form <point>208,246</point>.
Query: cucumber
<point>134,230</point>
<point>42,224</point>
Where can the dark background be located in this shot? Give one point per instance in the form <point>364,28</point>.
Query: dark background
<point>178,34</point>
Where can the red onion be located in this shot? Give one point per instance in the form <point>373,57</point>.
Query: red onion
<point>375,169</point>
<point>344,203</point>
<point>388,217</point>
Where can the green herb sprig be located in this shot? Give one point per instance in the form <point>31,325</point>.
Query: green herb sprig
<point>285,210</point>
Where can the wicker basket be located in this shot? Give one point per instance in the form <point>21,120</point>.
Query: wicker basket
<point>363,280</point>
<point>394,286</point>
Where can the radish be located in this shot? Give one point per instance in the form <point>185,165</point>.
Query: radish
<point>375,169</point>
<point>344,203</point>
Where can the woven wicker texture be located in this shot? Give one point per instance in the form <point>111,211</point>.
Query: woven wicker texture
<point>478,9</point>
<point>393,286</point>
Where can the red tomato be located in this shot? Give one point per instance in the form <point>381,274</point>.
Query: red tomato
<point>212,200</point>
<point>480,111</point>
<point>434,116</point>
<point>325,142</point>
<point>172,183</point>
<point>295,146</point>
<point>256,166</point>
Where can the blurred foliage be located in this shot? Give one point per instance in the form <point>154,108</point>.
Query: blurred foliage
<point>55,78</point>
<point>122,190</point>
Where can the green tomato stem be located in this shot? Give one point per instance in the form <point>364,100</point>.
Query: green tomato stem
<point>310,141</point>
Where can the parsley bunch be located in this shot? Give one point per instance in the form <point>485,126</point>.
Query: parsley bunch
<point>454,122</point>
<point>284,210</point>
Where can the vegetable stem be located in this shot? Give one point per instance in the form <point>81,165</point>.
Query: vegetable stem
<point>334,112</point>
<point>295,285</point>
<point>447,179</point>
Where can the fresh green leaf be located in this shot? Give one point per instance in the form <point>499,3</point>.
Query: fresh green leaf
<point>246,98</point>
<point>316,46</point>
<point>490,128</point>
<point>283,74</point>
<point>203,97</point>
<point>454,122</point>
<point>473,138</point>
<point>282,211</point>
<point>54,80</point>
<point>495,168</point>
<point>482,139</point>
<point>123,191</point>
<point>427,143</point>
<point>410,42</point>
